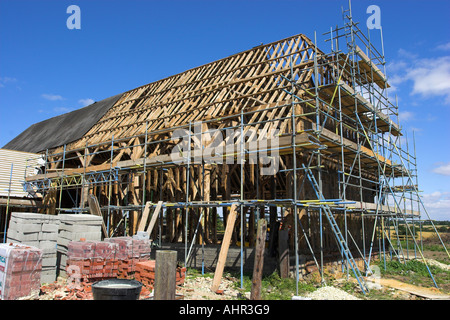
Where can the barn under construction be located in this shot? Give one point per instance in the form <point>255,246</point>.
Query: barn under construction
<point>306,139</point>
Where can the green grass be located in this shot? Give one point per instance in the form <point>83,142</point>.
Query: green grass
<point>373,294</point>
<point>434,247</point>
<point>195,273</point>
<point>427,246</point>
<point>272,287</point>
<point>275,288</point>
<point>411,266</point>
<point>415,271</point>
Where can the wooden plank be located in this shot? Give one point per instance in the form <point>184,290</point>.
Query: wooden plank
<point>429,293</point>
<point>255,293</point>
<point>348,96</point>
<point>224,248</point>
<point>154,217</point>
<point>379,77</point>
<point>144,217</point>
<point>373,207</point>
<point>94,208</point>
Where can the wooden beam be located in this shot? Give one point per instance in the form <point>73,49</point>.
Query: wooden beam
<point>144,217</point>
<point>202,91</point>
<point>255,293</point>
<point>224,248</point>
<point>94,208</point>
<point>207,197</point>
<point>154,217</point>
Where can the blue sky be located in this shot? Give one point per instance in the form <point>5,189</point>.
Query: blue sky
<point>47,69</point>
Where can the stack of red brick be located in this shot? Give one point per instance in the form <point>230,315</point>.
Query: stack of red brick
<point>92,260</point>
<point>145,273</point>
<point>112,258</point>
<point>129,252</point>
<point>20,270</point>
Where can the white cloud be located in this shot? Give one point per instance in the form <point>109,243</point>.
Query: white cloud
<point>406,116</point>
<point>444,47</point>
<point>396,66</point>
<point>52,97</point>
<point>86,102</point>
<point>443,169</point>
<point>5,80</point>
<point>406,54</point>
<point>430,77</point>
<point>437,205</point>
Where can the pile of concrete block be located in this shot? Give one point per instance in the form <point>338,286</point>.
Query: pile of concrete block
<point>74,227</point>
<point>40,231</point>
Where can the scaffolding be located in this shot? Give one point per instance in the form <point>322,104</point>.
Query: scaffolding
<point>343,179</point>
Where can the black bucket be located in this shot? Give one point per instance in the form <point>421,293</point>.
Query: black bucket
<point>116,289</point>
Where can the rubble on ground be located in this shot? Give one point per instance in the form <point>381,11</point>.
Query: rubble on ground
<point>199,288</point>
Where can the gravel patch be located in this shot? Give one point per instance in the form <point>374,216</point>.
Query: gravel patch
<point>330,293</point>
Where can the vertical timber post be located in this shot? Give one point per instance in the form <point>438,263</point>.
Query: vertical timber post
<point>165,275</point>
<point>259,260</point>
<point>283,253</point>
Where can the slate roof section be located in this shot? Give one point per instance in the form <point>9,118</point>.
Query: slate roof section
<point>62,129</point>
